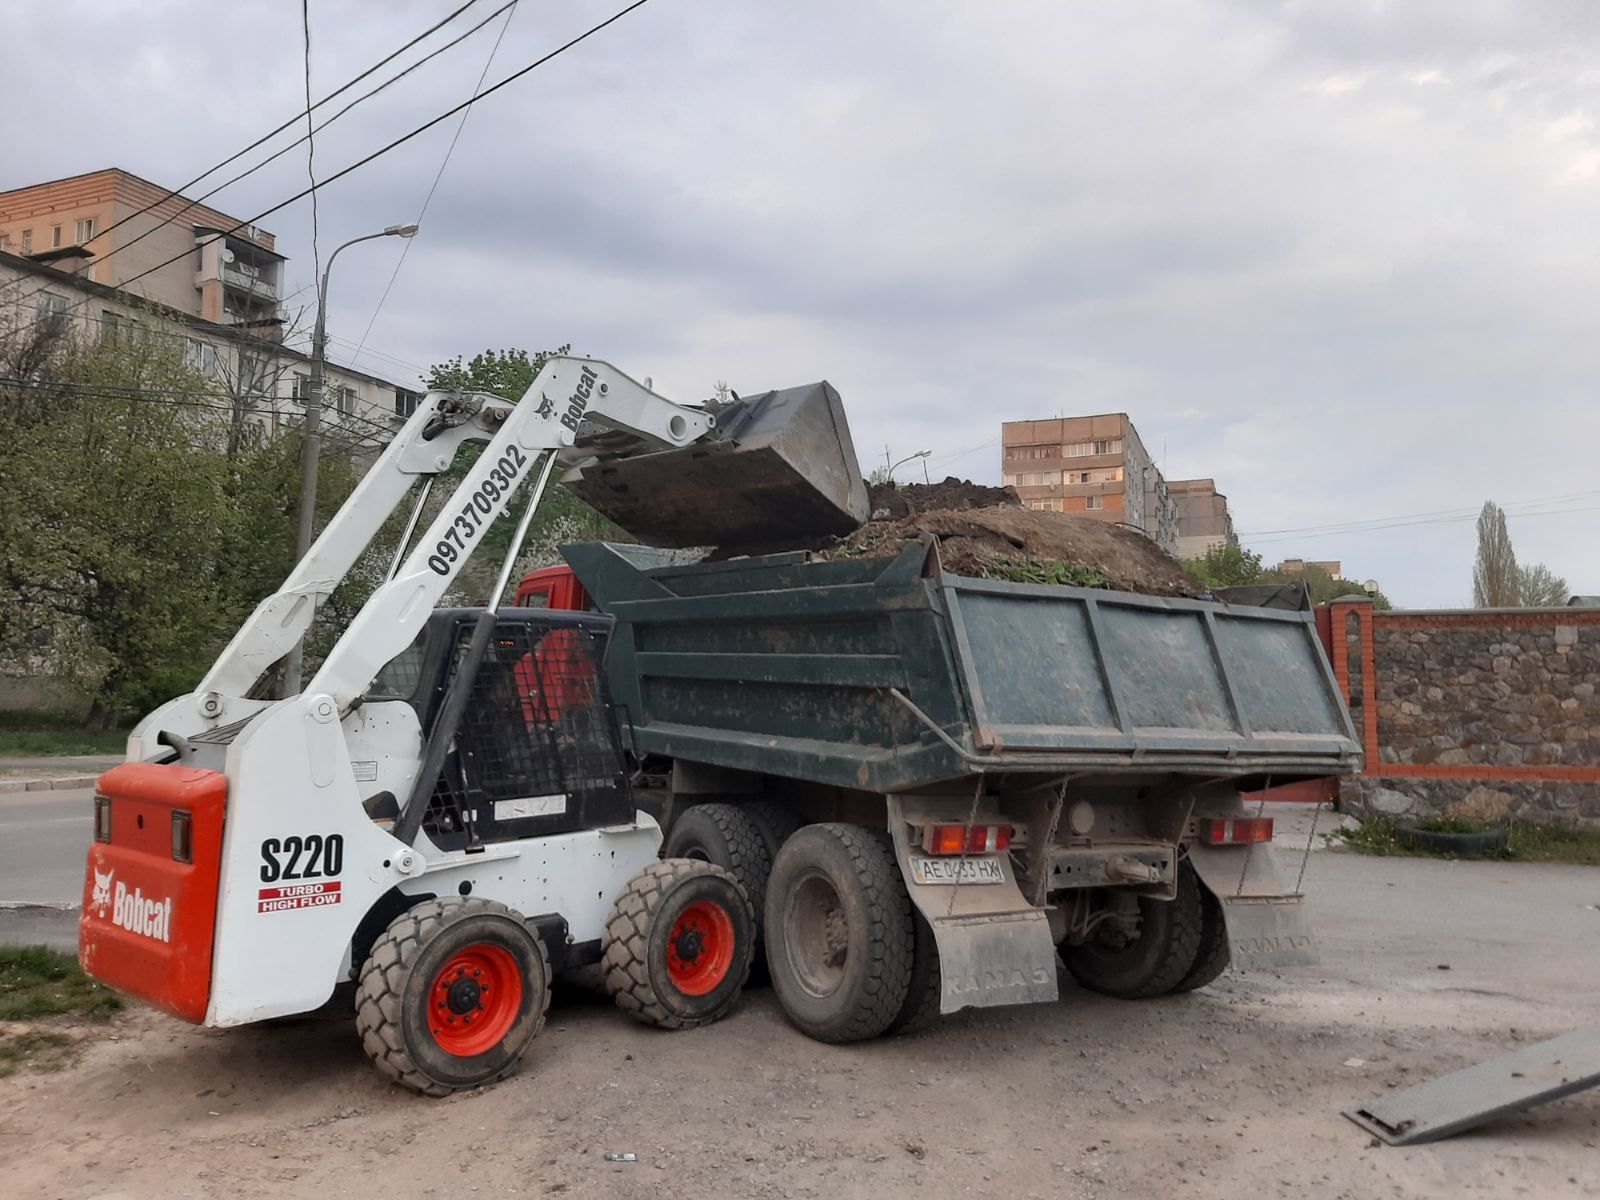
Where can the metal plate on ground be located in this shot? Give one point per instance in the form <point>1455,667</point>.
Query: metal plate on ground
<point>1509,1084</point>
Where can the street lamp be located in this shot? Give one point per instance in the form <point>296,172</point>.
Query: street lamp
<point>909,458</point>
<point>311,450</point>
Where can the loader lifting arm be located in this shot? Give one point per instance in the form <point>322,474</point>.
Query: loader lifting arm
<point>550,423</point>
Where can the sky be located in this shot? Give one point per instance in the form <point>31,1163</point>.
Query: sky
<point>1341,258</point>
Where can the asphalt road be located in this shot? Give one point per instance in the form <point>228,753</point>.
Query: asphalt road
<point>43,838</point>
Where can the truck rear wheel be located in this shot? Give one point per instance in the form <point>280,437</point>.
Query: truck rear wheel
<point>451,995</point>
<point>840,938</point>
<point>678,944</point>
<point>1213,957</point>
<point>1155,960</point>
<point>921,1008</point>
<point>776,821</point>
<point>725,836</point>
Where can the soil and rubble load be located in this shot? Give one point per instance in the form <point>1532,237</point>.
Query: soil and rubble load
<point>987,533</point>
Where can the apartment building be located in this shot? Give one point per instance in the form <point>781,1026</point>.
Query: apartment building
<point>180,254</point>
<point>267,378</point>
<point>1093,466</point>
<point>1203,517</point>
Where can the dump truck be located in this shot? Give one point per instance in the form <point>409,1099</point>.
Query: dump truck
<point>442,819</point>
<point>934,788</point>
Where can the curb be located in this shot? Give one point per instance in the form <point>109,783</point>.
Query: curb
<point>64,784</point>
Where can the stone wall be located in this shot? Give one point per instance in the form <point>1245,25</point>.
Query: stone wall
<point>1479,713</point>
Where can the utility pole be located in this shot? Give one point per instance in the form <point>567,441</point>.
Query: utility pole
<point>311,448</point>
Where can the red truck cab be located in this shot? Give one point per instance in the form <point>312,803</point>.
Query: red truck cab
<point>553,587</point>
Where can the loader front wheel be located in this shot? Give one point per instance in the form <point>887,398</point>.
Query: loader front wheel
<point>679,943</point>
<point>451,995</point>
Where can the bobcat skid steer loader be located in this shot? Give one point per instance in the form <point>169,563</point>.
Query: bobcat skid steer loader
<point>442,819</point>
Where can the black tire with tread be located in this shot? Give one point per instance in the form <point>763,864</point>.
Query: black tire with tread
<point>921,1008</point>
<point>396,977</point>
<point>1155,962</point>
<point>862,871</point>
<point>634,956</point>
<point>1213,956</point>
<point>776,821</point>
<point>726,836</point>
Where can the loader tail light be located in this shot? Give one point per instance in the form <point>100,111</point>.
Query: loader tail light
<point>102,818</point>
<point>182,837</point>
<point>961,839</point>
<point>1235,831</point>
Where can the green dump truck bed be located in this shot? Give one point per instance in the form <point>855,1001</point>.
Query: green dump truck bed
<point>889,674</point>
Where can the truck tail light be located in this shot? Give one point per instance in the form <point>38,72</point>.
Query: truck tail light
<point>1235,831</point>
<point>102,818</point>
<point>960,839</point>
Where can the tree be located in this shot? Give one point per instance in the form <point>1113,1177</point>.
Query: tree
<point>134,545</point>
<point>1226,565</point>
<point>1496,582</point>
<point>1540,587</point>
<point>507,373</point>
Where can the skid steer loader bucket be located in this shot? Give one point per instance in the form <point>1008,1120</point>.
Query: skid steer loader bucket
<point>779,470</point>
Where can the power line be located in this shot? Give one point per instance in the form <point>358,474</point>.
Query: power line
<point>311,145</point>
<point>1548,512</point>
<point>428,199</point>
<point>1443,515</point>
<point>190,398</point>
<point>380,152</point>
<point>176,194</point>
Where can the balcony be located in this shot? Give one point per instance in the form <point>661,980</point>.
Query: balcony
<point>251,280</point>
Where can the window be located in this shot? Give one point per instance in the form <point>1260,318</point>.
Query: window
<point>51,305</point>
<point>200,356</point>
<point>1076,449</point>
<point>5,243</point>
<point>115,327</point>
<point>405,402</point>
<point>55,237</point>
<point>1093,502</point>
<point>347,400</point>
<point>1034,452</point>
<point>302,387</point>
<point>1108,446</point>
<point>27,241</point>
<point>86,230</point>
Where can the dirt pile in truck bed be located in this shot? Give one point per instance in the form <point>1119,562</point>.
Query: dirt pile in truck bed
<point>985,532</point>
<point>889,501</point>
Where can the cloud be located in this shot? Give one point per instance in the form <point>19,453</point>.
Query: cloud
<point>1340,258</point>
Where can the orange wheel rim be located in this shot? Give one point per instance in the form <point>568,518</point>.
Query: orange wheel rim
<point>700,948</point>
<point>474,999</point>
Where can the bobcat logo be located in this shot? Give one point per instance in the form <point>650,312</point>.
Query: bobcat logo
<point>547,406</point>
<point>100,900</point>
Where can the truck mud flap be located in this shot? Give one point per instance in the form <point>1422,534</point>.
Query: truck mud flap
<point>994,947</point>
<point>1267,925</point>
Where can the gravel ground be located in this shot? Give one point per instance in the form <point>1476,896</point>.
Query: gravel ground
<point>1232,1092</point>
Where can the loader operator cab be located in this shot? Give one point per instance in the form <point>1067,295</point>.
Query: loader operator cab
<point>537,751</point>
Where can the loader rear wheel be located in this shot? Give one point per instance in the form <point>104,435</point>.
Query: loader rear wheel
<point>679,943</point>
<point>1155,960</point>
<point>451,995</point>
<point>1213,957</point>
<point>840,938</point>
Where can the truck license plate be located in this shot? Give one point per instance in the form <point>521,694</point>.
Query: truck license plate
<point>943,870</point>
